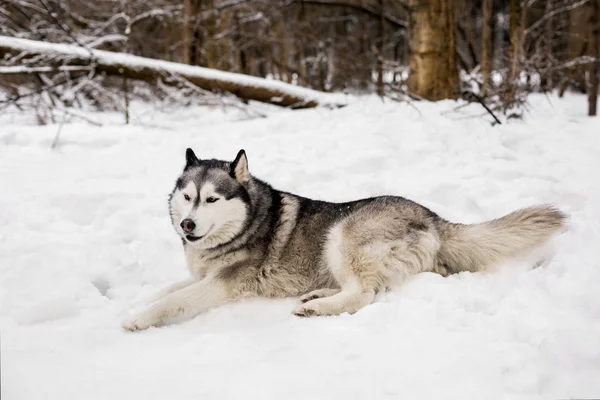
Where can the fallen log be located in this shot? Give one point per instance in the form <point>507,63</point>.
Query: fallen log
<point>149,70</point>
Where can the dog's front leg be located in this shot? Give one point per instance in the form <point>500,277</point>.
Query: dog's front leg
<point>187,302</point>
<point>165,292</point>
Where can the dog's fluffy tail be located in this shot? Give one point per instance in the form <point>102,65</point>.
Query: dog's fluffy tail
<point>475,247</point>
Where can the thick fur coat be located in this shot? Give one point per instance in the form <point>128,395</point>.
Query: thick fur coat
<point>242,238</point>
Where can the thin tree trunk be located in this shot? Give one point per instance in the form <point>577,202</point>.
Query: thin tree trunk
<point>547,81</point>
<point>166,43</point>
<point>366,79</point>
<point>433,73</point>
<point>518,18</point>
<point>594,33</point>
<point>465,26</point>
<point>225,23</point>
<point>299,45</point>
<point>125,86</point>
<point>510,89</point>
<point>240,59</point>
<point>486,44</point>
<point>187,32</point>
<point>282,49</point>
<point>578,44</point>
<point>198,35</point>
<point>209,44</point>
<point>379,56</point>
<point>126,96</point>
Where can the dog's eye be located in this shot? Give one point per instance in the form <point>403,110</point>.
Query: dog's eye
<point>186,197</point>
<point>211,199</point>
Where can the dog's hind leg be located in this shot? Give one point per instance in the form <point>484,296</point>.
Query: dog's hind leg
<point>349,301</point>
<point>317,294</point>
<point>356,271</point>
<point>359,279</point>
<point>368,252</point>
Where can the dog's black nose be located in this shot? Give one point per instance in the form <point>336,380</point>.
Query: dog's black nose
<point>187,225</point>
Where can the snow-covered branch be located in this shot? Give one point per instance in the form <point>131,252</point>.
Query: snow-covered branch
<point>24,69</point>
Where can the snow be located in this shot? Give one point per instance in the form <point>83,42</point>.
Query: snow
<point>84,233</point>
<point>135,62</point>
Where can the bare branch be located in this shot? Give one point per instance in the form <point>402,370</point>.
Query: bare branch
<point>551,14</point>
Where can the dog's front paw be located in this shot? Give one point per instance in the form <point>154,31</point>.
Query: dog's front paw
<point>139,322</point>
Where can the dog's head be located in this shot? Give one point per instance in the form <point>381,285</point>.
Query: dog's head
<point>210,204</point>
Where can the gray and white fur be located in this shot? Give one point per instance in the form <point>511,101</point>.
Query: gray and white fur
<point>242,238</point>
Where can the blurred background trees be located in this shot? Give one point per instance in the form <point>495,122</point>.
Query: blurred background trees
<point>496,50</point>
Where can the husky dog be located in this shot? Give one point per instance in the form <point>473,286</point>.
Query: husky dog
<point>242,238</point>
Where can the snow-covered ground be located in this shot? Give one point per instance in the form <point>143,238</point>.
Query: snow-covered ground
<point>84,232</point>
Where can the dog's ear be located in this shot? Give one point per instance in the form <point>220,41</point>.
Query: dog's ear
<point>239,168</point>
<point>190,158</point>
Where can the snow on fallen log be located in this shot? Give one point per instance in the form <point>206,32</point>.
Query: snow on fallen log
<point>146,69</point>
<point>24,69</point>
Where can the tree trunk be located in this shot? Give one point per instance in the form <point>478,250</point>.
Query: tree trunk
<point>380,84</point>
<point>209,48</point>
<point>365,70</point>
<point>433,74</point>
<point>465,14</point>
<point>187,32</point>
<point>166,43</point>
<point>594,34</point>
<point>518,18</point>
<point>547,82</point>
<point>281,46</point>
<point>299,44</point>
<point>577,44</point>
<point>486,44</point>
<point>239,45</point>
<point>224,42</point>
